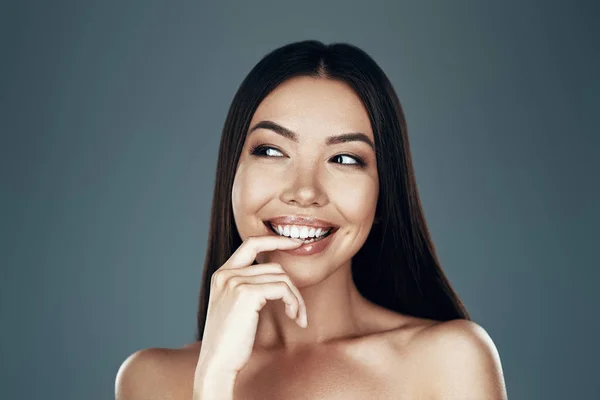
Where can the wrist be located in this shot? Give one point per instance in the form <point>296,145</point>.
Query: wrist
<point>214,384</point>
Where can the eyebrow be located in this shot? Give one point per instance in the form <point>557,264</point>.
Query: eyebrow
<point>293,136</point>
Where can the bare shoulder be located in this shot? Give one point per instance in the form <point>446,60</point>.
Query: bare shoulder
<point>157,373</point>
<point>462,357</point>
<point>458,339</point>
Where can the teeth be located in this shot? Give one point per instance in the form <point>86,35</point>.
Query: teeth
<point>302,232</point>
<point>294,232</point>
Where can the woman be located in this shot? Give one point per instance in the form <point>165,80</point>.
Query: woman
<point>315,148</point>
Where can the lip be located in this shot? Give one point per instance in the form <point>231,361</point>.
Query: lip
<point>306,249</point>
<point>301,220</point>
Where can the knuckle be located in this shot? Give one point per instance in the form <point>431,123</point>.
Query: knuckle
<point>233,283</point>
<point>214,279</point>
<point>282,285</point>
<point>243,291</point>
<point>219,277</point>
<point>287,280</point>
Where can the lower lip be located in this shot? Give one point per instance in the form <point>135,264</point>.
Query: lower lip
<point>307,249</point>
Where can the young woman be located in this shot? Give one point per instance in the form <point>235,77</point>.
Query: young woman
<point>316,205</point>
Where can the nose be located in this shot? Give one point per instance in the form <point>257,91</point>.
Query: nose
<point>304,191</point>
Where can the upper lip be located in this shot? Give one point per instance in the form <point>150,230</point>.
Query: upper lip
<point>301,220</point>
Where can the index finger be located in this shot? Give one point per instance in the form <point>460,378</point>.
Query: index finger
<point>248,250</point>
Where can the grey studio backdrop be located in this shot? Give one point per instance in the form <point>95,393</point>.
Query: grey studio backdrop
<point>111,115</point>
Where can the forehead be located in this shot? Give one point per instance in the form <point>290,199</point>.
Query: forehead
<point>307,104</point>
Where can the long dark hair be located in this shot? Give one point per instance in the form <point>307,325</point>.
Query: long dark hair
<point>397,267</point>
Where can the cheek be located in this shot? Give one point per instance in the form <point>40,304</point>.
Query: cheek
<point>358,201</point>
<point>250,191</point>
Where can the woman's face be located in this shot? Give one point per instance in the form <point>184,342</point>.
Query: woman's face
<point>335,182</point>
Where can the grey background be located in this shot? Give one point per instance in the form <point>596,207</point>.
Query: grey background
<point>111,115</point>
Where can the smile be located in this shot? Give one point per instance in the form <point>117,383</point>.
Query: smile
<point>315,239</point>
<point>307,233</point>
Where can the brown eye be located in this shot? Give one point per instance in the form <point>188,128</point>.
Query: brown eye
<point>260,151</point>
<point>358,162</point>
<point>267,152</point>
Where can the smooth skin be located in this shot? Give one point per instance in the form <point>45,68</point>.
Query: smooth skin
<point>352,348</point>
<point>239,291</point>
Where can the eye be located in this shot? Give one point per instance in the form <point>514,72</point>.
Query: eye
<point>261,151</point>
<point>357,160</point>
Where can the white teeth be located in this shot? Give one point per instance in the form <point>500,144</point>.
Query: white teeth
<point>295,232</point>
<point>302,232</point>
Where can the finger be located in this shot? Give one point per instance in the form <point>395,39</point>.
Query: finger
<point>272,291</point>
<point>223,276</point>
<point>258,269</point>
<point>298,308</point>
<point>247,252</point>
<point>300,312</point>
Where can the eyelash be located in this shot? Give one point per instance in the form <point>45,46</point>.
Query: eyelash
<point>255,150</point>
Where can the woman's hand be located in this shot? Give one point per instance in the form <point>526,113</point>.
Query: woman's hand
<point>239,290</point>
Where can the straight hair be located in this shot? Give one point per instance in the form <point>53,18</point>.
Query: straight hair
<point>397,267</point>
